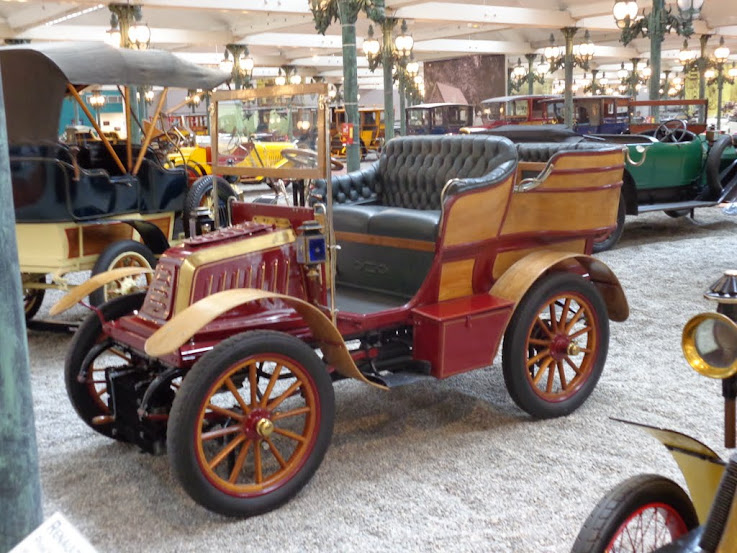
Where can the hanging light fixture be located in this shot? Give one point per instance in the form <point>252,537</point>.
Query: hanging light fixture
<point>690,9</point>
<point>722,52</point>
<point>112,35</point>
<point>295,79</point>
<point>551,52</point>
<point>280,79</point>
<point>625,12</point>
<point>404,42</point>
<point>371,45</point>
<point>139,34</point>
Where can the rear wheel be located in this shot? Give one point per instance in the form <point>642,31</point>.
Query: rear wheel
<point>608,241</point>
<point>555,345</point>
<point>89,358</point>
<point>33,297</point>
<point>251,423</point>
<point>124,253</point>
<point>637,516</point>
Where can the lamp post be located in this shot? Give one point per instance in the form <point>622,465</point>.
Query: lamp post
<point>568,59</point>
<point>324,13</point>
<point>721,54</point>
<point>393,52</point>
<point>655,26</point>
<point>699,62</point>
<point>238,62</point>
<point>97,100</point>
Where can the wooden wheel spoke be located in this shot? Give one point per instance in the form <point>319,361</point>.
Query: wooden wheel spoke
<point>553,318</point>
<point>258,469</point>
<point>562,374</point>
<point>237,396</point>
<point>292,413</point>
<point>120,354</point>
<point>541,371</point>
<point>584,330</point>
<point>539,342</point>
<point>270,386</point>
<point>238,466</point>
<point>289,434</point>
<point>288,392</point>
<point>564,313</point>
<point>551,379</point>
<point>226,451</point>
<point>545,328</point>
<point>276,454</point>
<point>575,367</point>
<point>574,319</point>
<point>101,392</point>
<point>225,412</point>
<point>253,381</point>
<point>219,433</point>
<point>532,360</point>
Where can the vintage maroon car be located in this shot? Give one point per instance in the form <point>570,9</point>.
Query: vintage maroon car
<point>413,269</point>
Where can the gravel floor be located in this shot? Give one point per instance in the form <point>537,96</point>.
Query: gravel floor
<point>450,465</point>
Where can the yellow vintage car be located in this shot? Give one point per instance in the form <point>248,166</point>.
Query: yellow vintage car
<point>372,130</point>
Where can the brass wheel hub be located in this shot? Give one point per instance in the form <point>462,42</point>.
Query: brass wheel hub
<point>264,427</point>
<point>573,349</point>
<point>258,424</point>
<point>559,347</point>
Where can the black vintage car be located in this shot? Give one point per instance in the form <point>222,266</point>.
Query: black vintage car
<point>90,205</point>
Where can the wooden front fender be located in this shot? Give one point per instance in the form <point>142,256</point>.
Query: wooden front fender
<point>189,321</point>
<point>516,280</point>
<point>84,289</point>
<point>702,468</point>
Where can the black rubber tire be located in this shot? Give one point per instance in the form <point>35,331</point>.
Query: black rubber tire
<point>107,260</point>
<point>33,298</point>
<point>199,189</point>
<point>88,334</point>
<point>713,161</point>
<point>611,240</point>
<point>615,509</point>
<point>515,348</point>
<point>677,213</point>
<point>183,439</point>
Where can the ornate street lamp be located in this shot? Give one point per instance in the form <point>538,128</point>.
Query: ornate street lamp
<point>238,62</point>
<point>659,22</point>
<point>324,13</point>
<point>126,24</point>
<point>568,60</point>
<point>280,79</point>
<point>97,101</point>
<point>721,54</point>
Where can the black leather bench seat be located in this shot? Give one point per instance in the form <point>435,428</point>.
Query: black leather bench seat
<point>354,218</point>
<point>412,224</point>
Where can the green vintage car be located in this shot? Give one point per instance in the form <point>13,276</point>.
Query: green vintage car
<point>672,164</point>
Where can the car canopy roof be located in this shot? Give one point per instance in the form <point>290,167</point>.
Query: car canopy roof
<point>35,78</point>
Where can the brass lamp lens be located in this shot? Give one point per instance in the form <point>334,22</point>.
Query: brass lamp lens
<point>710,345</point>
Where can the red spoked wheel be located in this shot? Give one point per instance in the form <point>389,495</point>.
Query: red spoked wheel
<point>555,345</point>
<point>251,423</point>
<point>637,516</point>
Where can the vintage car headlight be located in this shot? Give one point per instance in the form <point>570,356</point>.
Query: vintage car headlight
<point>709,344</point>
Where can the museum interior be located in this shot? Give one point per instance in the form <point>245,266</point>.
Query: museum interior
<point>368,276</point>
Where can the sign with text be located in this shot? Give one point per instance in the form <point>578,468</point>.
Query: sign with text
<point>56,535</point>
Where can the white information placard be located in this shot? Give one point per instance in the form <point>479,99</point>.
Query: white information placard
<point>55,535</point>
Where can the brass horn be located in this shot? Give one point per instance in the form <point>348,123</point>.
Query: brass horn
<point>709,344</point>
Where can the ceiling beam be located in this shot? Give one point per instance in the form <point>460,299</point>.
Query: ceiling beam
<point>300,39</point>
<point>471,46</point>
<point>269,23</point>
<point>474,13</point>
<point>97,33</point>
<point>31,16</point>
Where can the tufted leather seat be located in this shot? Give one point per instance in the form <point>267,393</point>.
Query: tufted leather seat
<point>542,151</point>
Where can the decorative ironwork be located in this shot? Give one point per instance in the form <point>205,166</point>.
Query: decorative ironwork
<point>238,62</point>
<point>127,28</point>
<point>659,22</point>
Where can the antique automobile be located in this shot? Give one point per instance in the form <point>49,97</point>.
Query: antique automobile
<point>649,513</point>
<point>593,114</point>
<point>411,270</point>
<point>514,110</point>
<point>669,168</point>
<point>646,115</point>
<point>91,205</point>
<point>370,136</point>
<point>442,118</point>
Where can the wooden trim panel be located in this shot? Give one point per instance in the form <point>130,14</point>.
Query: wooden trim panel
<point>456,279</point>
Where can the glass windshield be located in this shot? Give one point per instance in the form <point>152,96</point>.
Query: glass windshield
<point>418,118</point>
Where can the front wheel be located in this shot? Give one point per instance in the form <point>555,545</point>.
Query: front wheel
<point>251,423</point>
<point>608,241</point>
<point>124,253</point>
<point>33,297</point>
<point>638,516</point>
<point>555,345</point>
<point>200,195</point>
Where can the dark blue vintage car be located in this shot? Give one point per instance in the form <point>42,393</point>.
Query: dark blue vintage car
<point>593,114</point>
<point>440,118</point>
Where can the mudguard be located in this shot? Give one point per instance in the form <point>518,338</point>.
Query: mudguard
<point>701,467</point>
<point>516,280</point>
<point>84,289</point>
<point>185,324</point>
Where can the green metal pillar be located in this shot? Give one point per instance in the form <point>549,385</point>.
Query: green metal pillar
<point>568,33</point>
<point>701,65</point>
<point>720,87</point>
<point>657,33</point>
<point>20,490</point>
<point>530,73</point>
<point>402,107</point>
<point>348,11</point>
<point>387,63</point>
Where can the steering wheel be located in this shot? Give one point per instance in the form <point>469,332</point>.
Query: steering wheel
<point>307,158</point>
<point>673,130</point>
